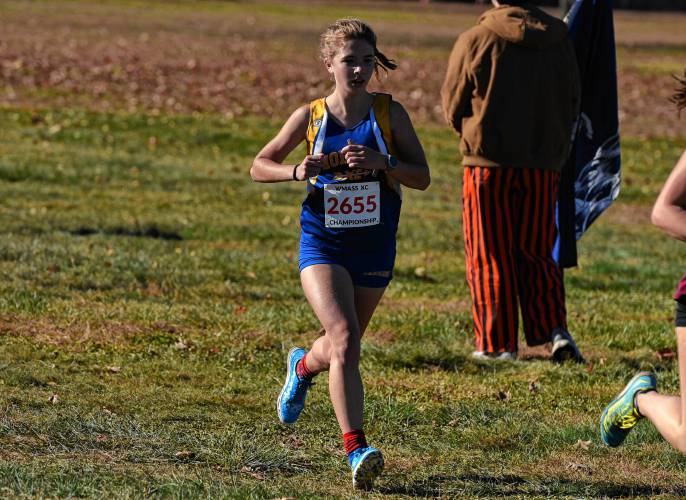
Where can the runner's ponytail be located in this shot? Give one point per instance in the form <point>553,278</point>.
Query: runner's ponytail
<point>679,97</point>
<point>382,61</point>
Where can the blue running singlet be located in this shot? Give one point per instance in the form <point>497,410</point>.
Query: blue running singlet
<point>350,217</point>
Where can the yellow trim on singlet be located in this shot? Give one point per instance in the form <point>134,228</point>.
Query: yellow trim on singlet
<point>317,110</point>
<point>382,112</point>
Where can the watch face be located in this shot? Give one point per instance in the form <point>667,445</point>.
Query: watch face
<point>392,161</point>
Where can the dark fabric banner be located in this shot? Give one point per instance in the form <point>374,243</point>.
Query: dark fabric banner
<point>590,180</point>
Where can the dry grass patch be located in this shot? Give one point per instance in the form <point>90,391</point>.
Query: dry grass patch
<point>57,332</point>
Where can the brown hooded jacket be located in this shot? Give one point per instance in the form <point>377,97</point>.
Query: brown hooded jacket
<point>512,89</point>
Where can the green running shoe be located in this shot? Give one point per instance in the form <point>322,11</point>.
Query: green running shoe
<point>621,415</point>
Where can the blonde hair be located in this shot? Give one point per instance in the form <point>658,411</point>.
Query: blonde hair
<point>679,97</point>
<point>352,29</point>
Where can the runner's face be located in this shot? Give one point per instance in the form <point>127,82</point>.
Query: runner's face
<point>353,65</point>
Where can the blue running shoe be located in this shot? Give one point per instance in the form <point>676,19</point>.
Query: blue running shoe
<point>367,464</point>
<point>621,415</point>
<point>292,398</point>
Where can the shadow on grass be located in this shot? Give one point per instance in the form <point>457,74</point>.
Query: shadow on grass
<point>455,362</point>
<point>409,275</point>
<point>447,362</point>
<point>150,232</point>
<point>477,484</point>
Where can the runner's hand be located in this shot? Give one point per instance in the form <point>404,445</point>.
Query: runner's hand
<point>310,166</point>
<point>358,156</point>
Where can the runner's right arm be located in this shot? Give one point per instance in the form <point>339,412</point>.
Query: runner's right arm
<point>267,165</point>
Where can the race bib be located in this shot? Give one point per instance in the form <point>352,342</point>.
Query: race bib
<point>352,205</point>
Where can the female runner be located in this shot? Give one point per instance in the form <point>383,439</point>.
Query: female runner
<point>361,146</point>
<point>640,397</point>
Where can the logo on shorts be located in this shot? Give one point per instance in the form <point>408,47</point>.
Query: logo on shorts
<point>383,274</point>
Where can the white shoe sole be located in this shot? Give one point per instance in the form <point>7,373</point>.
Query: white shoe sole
<point>368,470</point>
<point>503,356</point>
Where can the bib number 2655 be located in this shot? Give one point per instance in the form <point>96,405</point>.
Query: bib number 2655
<point>352,205</point>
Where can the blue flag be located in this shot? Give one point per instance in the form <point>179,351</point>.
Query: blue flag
<point>590,179</point>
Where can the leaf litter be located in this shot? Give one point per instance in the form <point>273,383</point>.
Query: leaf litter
<point>104,62</point>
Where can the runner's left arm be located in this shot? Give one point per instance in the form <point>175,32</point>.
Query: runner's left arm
<point>669,212</point>
<point>412,169</point>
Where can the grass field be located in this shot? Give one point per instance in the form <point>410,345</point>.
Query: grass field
<point>150,293</point>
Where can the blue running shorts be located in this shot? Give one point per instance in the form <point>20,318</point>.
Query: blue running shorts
<point>368,269</point>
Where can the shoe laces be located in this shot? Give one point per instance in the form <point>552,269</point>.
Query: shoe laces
<point>300,390</point>
<point>304,383</point>
<point>627,420</point>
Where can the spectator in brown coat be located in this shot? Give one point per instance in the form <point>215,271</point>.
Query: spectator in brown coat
<point>512,93</point>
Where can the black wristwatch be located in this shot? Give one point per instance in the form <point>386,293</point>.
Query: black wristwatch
<point>391,162</point>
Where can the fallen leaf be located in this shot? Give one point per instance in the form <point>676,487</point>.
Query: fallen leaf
<point>181,345</point>
<point>54,399</point>
<point>293,441</point>
<point>533,387</point>
<point>153,290</point>
<point>251,275</point>
<point>254,473</point>
<point>581,444</point>
<point>580,467</point>
<point>503,396</point>
<point>114,369</point>
<point>589,368</point>
<point>101,438</point>
<point>421,273</point>
<point>184,454</point>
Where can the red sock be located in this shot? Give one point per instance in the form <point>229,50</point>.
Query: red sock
<point>353,440</point>
<point>301,369</point>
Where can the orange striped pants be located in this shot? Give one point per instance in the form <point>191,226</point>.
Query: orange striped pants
<point>509,230</point>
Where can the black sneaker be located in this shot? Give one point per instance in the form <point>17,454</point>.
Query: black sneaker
<point>564,347</point>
